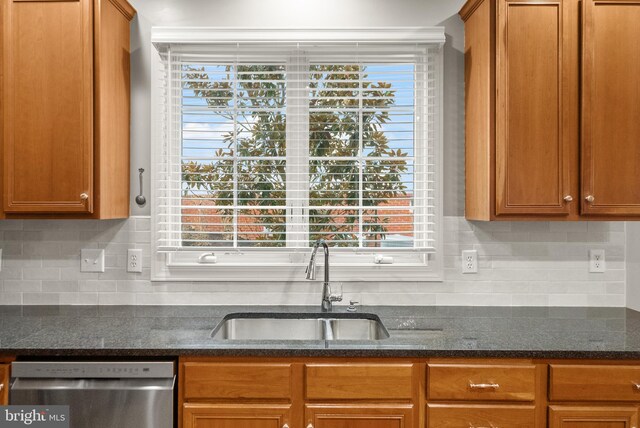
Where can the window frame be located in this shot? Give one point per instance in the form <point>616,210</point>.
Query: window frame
<point>239,264</point>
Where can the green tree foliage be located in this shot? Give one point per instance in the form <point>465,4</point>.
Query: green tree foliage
<point>336,119</point>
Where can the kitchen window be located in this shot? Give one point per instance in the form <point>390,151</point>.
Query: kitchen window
<point>262,145</point>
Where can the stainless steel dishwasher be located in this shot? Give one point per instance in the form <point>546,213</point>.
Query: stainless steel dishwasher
<point>99,394</point>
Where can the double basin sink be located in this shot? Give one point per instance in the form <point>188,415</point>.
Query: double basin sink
<point>290,326</point>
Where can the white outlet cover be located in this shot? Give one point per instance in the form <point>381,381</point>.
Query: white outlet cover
<point>470,261</point>
<point>134,260</point>
<point>91,260</point>
<point>597,261</point>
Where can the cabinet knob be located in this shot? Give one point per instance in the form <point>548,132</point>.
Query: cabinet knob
<point>310,426</point>
<point>285,426</point>
<point>568,198</point>
<point>84,196</point>
<point>590,198</point>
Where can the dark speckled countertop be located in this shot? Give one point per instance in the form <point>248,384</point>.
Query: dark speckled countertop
<point>162,331</point>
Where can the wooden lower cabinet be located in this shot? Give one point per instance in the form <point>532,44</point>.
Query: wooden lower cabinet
<point>405,393</point>
<point>580,383</point>
<point>4,384</point>
<point>593,416</point>
<point>480,415</point>
<point>358,416</point>
<point>196,415</point>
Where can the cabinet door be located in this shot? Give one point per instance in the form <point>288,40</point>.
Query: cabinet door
<point>4,384</point>
<point>592,417</point>
<point>536,107</point>
<point>610,107</point>
<point>480,415</point>
<point>236,416</point>
<point>48,111</point>
<point>358,416</point>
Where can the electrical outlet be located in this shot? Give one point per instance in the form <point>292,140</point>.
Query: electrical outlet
<point>470,261</point>
<point>134,260</point>
<point>91,260</point>
<point>597,262</point>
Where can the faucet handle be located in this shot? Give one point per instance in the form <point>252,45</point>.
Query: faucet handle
<point>335,292</point>
<point>335,297</point>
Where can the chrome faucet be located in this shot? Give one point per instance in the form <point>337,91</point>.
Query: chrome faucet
<point>327,297</point>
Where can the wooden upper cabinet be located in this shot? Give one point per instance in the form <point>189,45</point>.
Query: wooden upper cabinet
<point>65,118</point>
<point>611,107</point>
<point>521,101</point>
<point>48,98</point>
<point>533,148</point>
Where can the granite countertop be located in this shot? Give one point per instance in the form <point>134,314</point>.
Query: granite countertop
<point>170,331</point>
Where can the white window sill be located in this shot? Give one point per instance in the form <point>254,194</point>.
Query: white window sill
<point>288,273</point>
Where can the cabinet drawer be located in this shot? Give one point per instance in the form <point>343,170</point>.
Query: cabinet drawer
<point>359,381</point>
<point>228,380</point>
<point>595,383</point>
<point>465,416</point>
<point>481,382</point>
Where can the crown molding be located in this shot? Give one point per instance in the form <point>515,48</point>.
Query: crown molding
<point>469,7</point>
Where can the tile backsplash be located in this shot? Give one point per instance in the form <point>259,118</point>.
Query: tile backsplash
<point>520,264</point>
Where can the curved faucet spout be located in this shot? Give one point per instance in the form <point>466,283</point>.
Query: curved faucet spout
<point>327,297</point>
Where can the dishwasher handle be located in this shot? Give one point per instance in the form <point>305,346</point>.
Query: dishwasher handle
<point>19,384</point>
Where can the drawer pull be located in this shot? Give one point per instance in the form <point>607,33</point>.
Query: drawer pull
<point>483,386</point>
<point>636,385</point>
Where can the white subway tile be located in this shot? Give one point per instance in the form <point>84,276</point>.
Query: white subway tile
<point>521,263</point>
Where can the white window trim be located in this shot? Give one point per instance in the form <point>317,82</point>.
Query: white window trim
<point>204,35</point>
<point>168,266</point>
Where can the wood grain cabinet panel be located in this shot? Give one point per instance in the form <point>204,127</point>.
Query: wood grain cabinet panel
<point>234,381</point>
<point>48,95</point>
<point>594,383</point>
<point>533,142</point>
<point>551,101</point>
<point>610,107</point>
<point>359,416</point>
<point>4,384</point>
<point>522,113</point>
<point>236,416</point>
<point>64,141</point>
<point>593,417</point>
<point>469,382</point>
<point>359,381</point>
<point>480,415</point>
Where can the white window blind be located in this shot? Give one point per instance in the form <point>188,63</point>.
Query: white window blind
<point>264,148</point>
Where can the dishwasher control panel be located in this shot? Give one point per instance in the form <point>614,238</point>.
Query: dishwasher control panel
<point>90,369</point>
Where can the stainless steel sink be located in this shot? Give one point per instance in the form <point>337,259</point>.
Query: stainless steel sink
<point>252,326</point>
